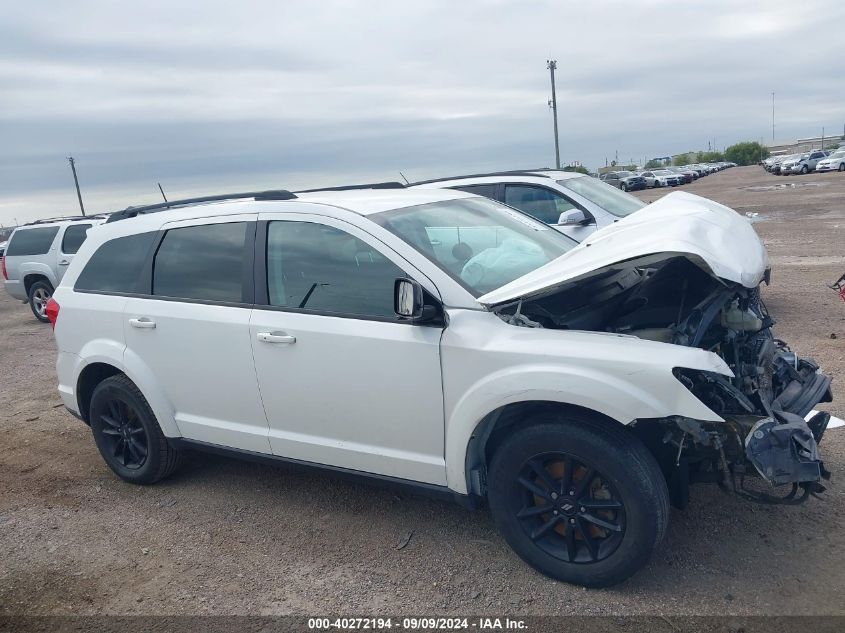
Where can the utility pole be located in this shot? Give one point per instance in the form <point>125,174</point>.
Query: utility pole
<point>822,147</point>
<point>76,181</point>
<point>551,64</point>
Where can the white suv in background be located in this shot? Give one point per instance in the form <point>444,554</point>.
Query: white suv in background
<point>574,204</point>
<point>37,256</point>
<point>444,341</point>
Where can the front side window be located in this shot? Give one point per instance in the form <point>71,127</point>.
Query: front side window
<point>202,262</point>
<point>486,190</point>
<point>32,241</point>
<point>538,202</point>
<point>116,265</point>
<point>479,243</point>
<point>603,195</point>
<point>74,235</point>
<point>319,268</point>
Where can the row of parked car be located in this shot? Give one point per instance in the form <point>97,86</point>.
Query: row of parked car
<point>662,177</point>
<point>806,162</point>
<point>537,341</point>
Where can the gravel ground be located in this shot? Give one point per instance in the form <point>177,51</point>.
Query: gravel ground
<point>228,537</point>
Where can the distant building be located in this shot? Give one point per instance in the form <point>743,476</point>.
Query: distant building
<point>804,144</point>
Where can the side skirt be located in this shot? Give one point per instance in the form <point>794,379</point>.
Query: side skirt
<point>382,481</point>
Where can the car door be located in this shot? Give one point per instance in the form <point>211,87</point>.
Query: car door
<point>190,330</point>
<point>344,382</point>
<point>72,238</point>
<point>546,205</point>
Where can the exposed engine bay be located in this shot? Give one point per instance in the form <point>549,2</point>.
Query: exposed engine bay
<point>675,301</point>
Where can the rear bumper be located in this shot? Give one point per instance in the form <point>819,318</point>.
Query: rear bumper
<point>66,370</point>
<point>16,289</point>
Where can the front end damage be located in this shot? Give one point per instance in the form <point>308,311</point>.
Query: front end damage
<point>763,449</point>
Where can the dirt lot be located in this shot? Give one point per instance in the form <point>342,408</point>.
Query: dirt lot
<point>225,537</point>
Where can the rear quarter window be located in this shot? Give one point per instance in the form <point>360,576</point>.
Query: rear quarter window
<point>32,241</point>
<point>116,266</point>
<point>74,235</point>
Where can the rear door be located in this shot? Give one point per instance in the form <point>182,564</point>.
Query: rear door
<point>71,239</point>
<point>190,330</point>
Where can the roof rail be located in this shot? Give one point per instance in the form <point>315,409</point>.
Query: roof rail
<point>518,172</point>
<point>67,218</point>
<point>372,185</point>
<point>131,212</point>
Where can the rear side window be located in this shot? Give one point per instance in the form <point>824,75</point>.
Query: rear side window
<point>116,266</point>
<point>74,236</point>
<point>202,262</point>
<point>32,241</point>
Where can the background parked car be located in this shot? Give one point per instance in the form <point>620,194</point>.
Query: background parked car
<point>834,162</point>
<point>37,256</point>
<point>624,180</point>
<point>3,247</point>
<point>661,178</point>
<point>573,203</point>
<point>806,162</point>
<point>687,174</point>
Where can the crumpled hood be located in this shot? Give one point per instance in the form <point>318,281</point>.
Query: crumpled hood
<point>709,234</point>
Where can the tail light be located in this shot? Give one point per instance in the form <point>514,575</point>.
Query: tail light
<point>52,311</point>
<point>3,267</point>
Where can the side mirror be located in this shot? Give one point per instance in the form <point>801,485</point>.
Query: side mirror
<point>408,301</point>
<point>573,217</point>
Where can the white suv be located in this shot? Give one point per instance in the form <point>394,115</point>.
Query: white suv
<point>574,204</point>
<point>37,255</point>
<point>442,340</point>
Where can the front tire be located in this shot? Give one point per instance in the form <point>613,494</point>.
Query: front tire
<point>841,167</point>
<point>805,169</point>
<point>127,433</point>
<point>623,187</point>
<point>39,294</point>
<point>578,499</point>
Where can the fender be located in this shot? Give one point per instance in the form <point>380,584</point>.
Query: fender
<point>115,354</point>
<point>36,268</point>
<point>652,395</point>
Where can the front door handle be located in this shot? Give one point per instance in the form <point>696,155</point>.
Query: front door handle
<point>276,337</point>
<point>64,262</point>
<point>143,323</point>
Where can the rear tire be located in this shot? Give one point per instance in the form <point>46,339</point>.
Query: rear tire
<point>39,294</point>
<point>623,187</point>
<point>578,499</point>
<point>127,433</point>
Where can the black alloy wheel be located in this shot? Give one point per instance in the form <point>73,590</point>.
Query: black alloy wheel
<point>570,510</point>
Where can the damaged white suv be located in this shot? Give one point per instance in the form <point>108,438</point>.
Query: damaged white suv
<point>442,340</point>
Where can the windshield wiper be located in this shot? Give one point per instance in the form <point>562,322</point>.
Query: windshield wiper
<point>309,293</point>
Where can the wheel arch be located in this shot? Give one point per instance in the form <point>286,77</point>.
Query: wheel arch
<point>31,278</point>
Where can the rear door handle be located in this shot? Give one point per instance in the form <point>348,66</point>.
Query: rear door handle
<point>276,337</point>
<point>143,323</point>
<point>64,262</point>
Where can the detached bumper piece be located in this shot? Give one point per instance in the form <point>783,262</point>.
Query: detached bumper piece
<point>784,450</point>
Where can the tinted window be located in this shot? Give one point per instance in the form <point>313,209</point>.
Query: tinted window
<point>321,268</point>
<point>488,191</point>
<point>116,266</point>
<point>31,241</point>
<point>540,203</point>
<point>202,262</point>
<point>603,195</point>
<point>74,236</point>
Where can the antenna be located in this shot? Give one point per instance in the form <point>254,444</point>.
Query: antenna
<point>162,193</point>
<point>76,181</point>
<point>403,178</point>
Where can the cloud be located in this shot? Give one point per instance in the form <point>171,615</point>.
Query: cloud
<point>220,95</point>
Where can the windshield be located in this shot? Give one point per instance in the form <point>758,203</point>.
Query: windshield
<point>838,154</point>
<point>625,174</point>
<point>662,172</point>
<point>480,243</point>
<point>601,194</point>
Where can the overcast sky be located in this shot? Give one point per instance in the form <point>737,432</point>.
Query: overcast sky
<point>208,97</point>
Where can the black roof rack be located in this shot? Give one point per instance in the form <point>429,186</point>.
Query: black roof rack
<point>131,212</point>
<point>67,218</point>
<point>518,172</point>
<point>372,185</point>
